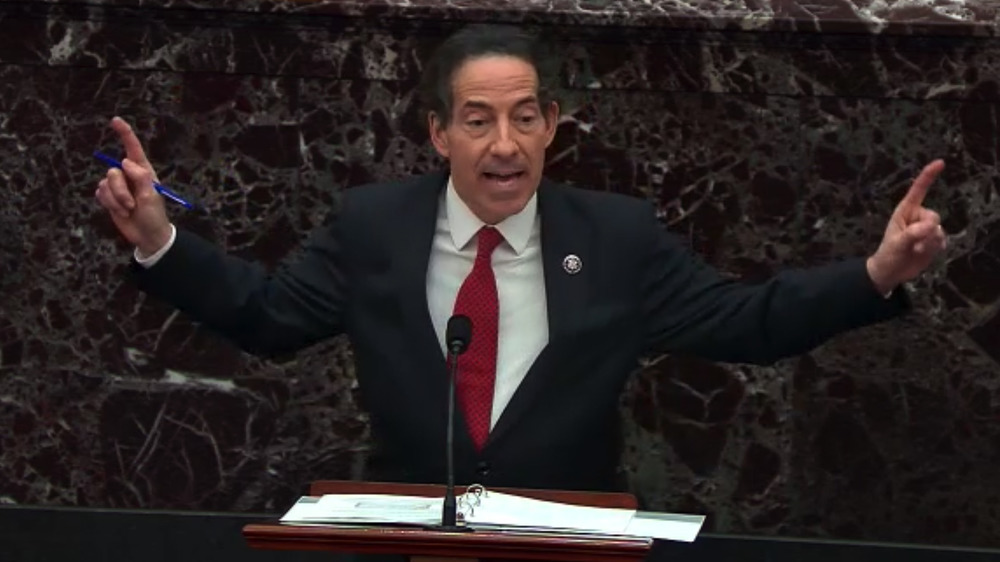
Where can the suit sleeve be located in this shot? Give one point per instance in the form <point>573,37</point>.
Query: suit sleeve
<point>264,313</point>
<point>690,308</point>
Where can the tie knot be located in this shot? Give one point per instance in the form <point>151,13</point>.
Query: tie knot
<point>489,239</point>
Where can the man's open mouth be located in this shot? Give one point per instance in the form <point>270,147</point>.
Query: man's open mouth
<point>504,177</point>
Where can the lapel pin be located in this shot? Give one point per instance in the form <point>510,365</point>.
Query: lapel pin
<point>572,264</point>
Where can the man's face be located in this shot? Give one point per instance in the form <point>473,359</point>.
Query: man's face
<point>496,138</point>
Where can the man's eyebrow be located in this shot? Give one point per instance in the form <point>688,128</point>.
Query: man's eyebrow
<point>526,100</point>
<point>479,104</point>
<point>476,104</point>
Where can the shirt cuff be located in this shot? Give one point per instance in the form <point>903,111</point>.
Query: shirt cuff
<point>150,261</point>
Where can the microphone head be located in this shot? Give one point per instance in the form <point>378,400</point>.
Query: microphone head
<point>459,333</point>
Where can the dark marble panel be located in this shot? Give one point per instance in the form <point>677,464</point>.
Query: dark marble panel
<point>936,67</point>
<point>948,17</point>
<point>718,166</point>
<point>11,246</point>
<point>918,67</point>
<point>149,409</point>
<point>897,431</point>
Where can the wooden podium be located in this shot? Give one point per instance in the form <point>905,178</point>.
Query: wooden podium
<point>426,546</point>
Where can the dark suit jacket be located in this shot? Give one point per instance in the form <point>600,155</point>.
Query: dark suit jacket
<point>639,291</point>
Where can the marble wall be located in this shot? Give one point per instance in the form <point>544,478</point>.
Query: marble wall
<point>771,134</point>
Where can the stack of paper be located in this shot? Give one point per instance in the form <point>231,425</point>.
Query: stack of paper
<point>493,511</point>
<point>366,509</point>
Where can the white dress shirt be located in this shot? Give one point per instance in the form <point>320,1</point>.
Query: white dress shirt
<point>517,265</point>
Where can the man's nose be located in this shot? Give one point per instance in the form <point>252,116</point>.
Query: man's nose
<point>504,144</point>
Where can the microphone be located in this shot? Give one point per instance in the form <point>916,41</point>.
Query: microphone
<point>457,337</point>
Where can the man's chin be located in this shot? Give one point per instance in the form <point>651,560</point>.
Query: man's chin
<point>504,199</point>
<point>499,209</point>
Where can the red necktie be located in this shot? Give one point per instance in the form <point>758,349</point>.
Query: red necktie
<point>477,299</point>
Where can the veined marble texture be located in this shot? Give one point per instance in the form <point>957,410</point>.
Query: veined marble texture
<point>770,134</point>
<point>947,17</point>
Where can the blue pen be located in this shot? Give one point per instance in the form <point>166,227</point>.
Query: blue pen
<point>162,190</point>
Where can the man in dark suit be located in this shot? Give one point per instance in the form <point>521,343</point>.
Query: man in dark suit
<point>565,287</point>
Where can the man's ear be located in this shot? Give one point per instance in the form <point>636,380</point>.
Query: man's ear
<point>551,122</point>
<point>437,133</point>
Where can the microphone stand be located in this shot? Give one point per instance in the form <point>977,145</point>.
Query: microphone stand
<point>449,512</point>
<point>458,335</point>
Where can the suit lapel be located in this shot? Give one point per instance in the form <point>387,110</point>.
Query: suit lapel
<point>565,235</point>
<point>566,247</point>
<point>413,237</point>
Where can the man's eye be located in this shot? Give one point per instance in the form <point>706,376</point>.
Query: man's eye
<point>476,122</point>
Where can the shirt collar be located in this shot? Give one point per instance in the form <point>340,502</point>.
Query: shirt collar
<point>464,224</point>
